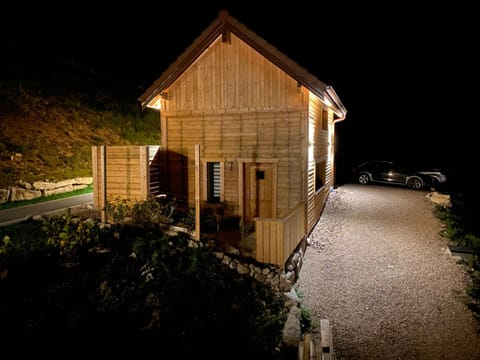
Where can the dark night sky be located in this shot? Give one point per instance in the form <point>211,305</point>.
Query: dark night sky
<point>407,71</point>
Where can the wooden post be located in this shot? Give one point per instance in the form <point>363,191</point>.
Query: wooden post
<point>197,192</point>
<point>95,176</point>
<point>143,172</point>
<point>103,202</point>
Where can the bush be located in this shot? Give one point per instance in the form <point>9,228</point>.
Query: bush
<point>460,233</point>
<point>130,290</point>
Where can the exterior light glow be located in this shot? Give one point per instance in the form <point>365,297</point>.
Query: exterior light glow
<point>155,103</point>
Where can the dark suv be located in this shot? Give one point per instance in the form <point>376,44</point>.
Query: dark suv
<point>387,172</point>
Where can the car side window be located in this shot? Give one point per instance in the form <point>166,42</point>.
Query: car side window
<point>382,167</point>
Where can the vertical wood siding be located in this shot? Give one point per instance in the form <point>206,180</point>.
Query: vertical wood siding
<point>276,239</point>
<point>233,76</point>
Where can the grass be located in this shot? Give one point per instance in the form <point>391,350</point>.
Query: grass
<point>15,204</point>
<point>96,111</point>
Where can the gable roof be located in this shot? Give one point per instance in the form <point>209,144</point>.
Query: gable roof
<point>224,24</point>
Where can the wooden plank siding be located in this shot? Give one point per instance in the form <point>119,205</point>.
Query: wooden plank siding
<point>236,104</point>
<point>260,121</point>
<point>233,138</point>
<point>319,137</point>
<point>127,173</point>
<point>233,77</point>
<point>276,239</point>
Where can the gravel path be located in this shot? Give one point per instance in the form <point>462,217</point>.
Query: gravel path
<point>378,269</point>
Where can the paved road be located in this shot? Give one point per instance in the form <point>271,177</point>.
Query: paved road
<point>10,216</point>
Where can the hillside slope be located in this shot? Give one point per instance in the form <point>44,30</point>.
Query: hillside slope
<point>52,113</point>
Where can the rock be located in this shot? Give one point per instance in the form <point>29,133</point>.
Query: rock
<point>284,284</point>
<point>241,269</point>
<point>4,195</point>
<point>59,190</point>
<point>16,157</point>
<point>23,194</point>
<point>439,199</point>
<point>84,180</point>
<point>292,333</point>
<point>291,277</point>
<point>23,184</point>
<point>232,250</point>
<point>65,183</point>
<point>43,185</point>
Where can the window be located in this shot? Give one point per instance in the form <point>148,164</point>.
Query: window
<point>324,120</point>
<point>213,182</point>
<point>319,175</point>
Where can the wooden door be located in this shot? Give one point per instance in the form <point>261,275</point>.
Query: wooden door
<point>258,191</point>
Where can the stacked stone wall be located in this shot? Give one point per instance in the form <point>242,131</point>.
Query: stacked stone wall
<point>24,190</point>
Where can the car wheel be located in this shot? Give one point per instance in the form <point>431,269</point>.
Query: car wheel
<point>415,183</point>
<point>363,179</point>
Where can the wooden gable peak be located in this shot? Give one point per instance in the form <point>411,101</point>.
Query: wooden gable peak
<point>224,25</point>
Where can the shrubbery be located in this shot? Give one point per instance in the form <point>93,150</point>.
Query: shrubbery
<point>460,233</point>
<point>80,291</point>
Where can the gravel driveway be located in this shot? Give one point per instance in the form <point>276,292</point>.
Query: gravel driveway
<point>378,269</point>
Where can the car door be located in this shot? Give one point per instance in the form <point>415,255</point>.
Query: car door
<point>397,175</point>
<point>380,172</point>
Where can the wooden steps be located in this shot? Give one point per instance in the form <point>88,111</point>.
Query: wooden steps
<point>317,349</point>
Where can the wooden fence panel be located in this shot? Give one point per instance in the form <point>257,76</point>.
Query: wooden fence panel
<point>120,172</point>
<point>276,239</point>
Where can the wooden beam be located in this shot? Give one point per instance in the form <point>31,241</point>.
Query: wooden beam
<point>326,336</point>
<point>197,192</point>
<point>103,202</point>
<point>95,177</point>
<point>143,158</point>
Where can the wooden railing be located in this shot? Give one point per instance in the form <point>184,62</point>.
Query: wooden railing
<point>276,239</point>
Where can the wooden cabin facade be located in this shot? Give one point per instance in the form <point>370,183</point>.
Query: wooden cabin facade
<point>247,130</point>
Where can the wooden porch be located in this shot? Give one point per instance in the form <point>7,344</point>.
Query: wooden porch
<point>134,173</point>
<point>267,240</point>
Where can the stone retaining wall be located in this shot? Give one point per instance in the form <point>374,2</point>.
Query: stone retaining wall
<point>27,191</point>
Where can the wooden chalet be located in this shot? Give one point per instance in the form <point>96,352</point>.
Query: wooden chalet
<point>247,135</point>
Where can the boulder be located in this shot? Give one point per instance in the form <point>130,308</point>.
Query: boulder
<point>23,194</point>
<point>439,199</point>
<point>292,333</point>
<point>4,195</point>
<point>84,180</point>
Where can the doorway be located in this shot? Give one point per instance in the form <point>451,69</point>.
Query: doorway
<point>259,191</point>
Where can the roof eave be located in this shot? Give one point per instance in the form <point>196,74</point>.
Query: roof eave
<point>340,109</point>
<point>183,61</point>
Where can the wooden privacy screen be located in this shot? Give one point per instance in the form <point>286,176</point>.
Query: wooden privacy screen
<point>120,172</point>
<point>123,173</point>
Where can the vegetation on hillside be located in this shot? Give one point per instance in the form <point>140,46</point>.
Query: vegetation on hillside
<point>52,113</point>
